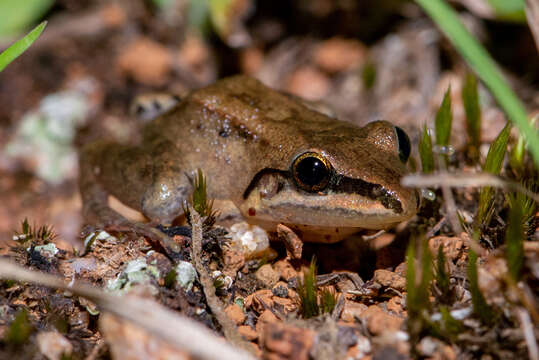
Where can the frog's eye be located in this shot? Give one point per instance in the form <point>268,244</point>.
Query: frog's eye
<point>404,144</point>
<point>311,171</point>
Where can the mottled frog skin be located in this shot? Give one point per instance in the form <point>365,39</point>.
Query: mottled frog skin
<point>276,159</point>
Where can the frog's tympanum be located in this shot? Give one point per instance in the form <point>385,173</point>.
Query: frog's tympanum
<point>277,160</point>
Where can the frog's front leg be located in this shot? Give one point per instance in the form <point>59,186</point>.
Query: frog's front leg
<point>163,199</point>
<point>143,180</point>
<point>95,208</point>
<point>129,174</point>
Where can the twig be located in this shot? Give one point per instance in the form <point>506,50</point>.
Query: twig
<point>532,13</point>
<point>229,328</point>
<point>337,310</point>
<point>449,201</point>
<point>328,278</point>
<point>527,329</point>
<point>436,228</point>
<point>178,330</point>
<point>465,180</point>
<point>95,350</point>
<point>373,236</point>
<point>292,243</point>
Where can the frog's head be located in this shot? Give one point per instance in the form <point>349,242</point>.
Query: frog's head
<point>337,181</point>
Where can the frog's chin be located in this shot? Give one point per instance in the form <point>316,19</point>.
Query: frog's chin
<point>309,233</point>
<point>230,214</point>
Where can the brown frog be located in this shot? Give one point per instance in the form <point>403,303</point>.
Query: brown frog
<point>275,159</point>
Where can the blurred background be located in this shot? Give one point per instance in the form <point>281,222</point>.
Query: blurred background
<point>366,60</point>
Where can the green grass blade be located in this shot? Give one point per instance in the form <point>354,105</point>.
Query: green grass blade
<point>307,292</point>
<point>451,327</point>
<point>518,152</point>
<point>410,277</point>
<point>511,10</point>
<point>20,46</point>
<point>328,300</point>
<point>19,330</point>
<point>442,277</point>
<point>493,164</point>
<point>496,152</point>
<point>514,236</point>
<point>426,272</point>
<point>425,151</point>
<point>515,250</point>
<point>161,3</point>
<point>443,120</point>
<point>17,16</point>
<point>472,109</point>
<point>483,65</point>
<point>417,298</point>
<point>480,306</point>
<point>368,75</point>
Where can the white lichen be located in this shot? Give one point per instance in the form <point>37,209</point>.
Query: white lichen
<point>185,275</point>
<point>48,250</point>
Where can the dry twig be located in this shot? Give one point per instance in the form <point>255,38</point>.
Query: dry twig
<point>178,330</point>
<point>527,329</point>
<point>449,203</point>
<point>229,328</point>
<point>532,14</point>
<point>464,180</point>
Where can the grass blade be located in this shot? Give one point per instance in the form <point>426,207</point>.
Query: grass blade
<point>200,202</point>
<point>443,120</point>
<point>442,277</point>
<point>417,298</point>
<point>493,164</point>
<point>483,65</point>
<point>472,109</point>
<point>308,293</point>
<point>480,306</point>
<point>510,10</point>
<point>496,152</point>
<point>18,16</point>
<point>411,276</point>
<point>514,235</point>
<point>19,330</point>
<point>425,151</point>
<point>20,46</point>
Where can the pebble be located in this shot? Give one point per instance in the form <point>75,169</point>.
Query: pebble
<point>390,279</point>
<point>379,322</point>
<point>235,314</point>
<point>267,275</point>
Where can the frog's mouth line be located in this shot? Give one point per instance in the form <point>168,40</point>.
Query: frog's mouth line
<point>338,184</point>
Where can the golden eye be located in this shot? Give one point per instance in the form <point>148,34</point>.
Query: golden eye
<point>311,171</point>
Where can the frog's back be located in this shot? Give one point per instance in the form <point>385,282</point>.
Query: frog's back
<point>242,112</point>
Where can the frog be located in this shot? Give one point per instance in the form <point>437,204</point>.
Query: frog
<point>276,159</point>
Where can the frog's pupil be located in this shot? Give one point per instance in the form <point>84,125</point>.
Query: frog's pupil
<point>404,144</point>
<point>311,171</point>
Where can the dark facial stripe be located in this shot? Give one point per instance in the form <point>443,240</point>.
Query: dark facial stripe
<point>341,184</point>
<point>259,176</point>
<point>344,184</point>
